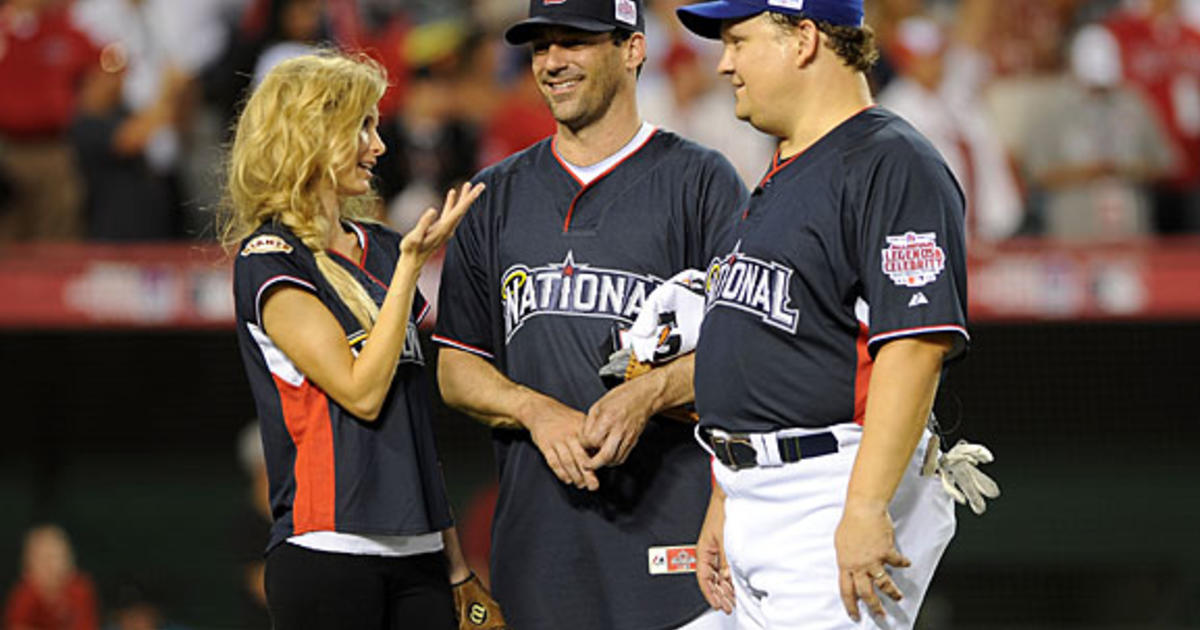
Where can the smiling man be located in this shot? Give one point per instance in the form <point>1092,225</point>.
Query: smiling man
<point>846,282</point>
<point>600,499</point>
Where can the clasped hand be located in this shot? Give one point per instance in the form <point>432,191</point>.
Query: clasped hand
<point>575,444</point>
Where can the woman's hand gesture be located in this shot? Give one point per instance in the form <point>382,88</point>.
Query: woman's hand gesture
<point>435,228</point>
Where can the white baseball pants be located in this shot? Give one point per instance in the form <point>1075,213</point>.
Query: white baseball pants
<point>779,527</point>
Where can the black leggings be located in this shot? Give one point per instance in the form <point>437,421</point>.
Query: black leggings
<point>317,589</point>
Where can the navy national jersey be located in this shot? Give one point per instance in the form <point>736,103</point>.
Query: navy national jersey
<point>536,276</point>
<point>856,241</point>
<point>329,470</point>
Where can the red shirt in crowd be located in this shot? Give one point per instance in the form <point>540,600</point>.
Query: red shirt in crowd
<point>1162,58</point>
<point>75,610</point>
<point>43,57</point>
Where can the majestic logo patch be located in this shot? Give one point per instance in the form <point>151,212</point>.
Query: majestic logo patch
<point>626,11</point>
<point>571,289</point>
<point>913,260</point>
<point>669,560</point>
<point>266,244</point>
<point>918,300</point>
<point>787,4</point>
<point>749,284</point>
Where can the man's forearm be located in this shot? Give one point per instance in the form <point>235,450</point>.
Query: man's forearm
<point>475,387</point>
<point>904,381</point>
<point>675,383</point>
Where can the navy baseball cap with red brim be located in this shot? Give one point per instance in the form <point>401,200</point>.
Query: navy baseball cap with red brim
<point>705,18</point>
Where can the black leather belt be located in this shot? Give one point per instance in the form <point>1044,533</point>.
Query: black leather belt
<point>736,450</point>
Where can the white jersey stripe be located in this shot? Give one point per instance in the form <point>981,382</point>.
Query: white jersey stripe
<point>922,330</point>
<point>277,361</point>
<point>862,311</point>
<point>462,346</point>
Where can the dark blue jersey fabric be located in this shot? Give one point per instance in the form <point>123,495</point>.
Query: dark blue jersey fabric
<point>854,242</point>
<point>329,470</point>
<point>534,280</point>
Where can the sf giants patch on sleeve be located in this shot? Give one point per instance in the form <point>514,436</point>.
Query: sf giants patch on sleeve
<point>266,244</point>
<point>913,259</point>
<point>672,560</point>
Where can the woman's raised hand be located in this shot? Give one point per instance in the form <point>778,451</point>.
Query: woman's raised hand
<point>435,228</point>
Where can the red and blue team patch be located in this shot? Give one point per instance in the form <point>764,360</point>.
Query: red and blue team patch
<point>913,259</point>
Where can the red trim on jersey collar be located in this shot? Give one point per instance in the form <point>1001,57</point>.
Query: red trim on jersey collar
<point>585,187</point>
<point>776,166</point>
<point>363,243</point>
<point>562,162</point>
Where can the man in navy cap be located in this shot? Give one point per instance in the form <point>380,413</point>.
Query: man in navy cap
<point>828,323</point>
<point>601,497</point>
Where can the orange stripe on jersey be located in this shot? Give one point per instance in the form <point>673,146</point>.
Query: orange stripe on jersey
<point>862,374</point>
<point>306,413</point>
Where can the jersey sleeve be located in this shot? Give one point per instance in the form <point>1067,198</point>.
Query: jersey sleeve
<point>266,262</point>
<point>464,318</point>
<point>723,196</point>
<point>912,251</point>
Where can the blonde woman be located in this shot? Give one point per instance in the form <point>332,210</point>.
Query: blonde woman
<point>327,315</point>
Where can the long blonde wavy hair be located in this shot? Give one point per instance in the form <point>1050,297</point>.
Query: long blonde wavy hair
<point>298,127</point>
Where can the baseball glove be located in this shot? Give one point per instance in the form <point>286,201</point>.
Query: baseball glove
<point>623,365</point>
<point>475,607</point>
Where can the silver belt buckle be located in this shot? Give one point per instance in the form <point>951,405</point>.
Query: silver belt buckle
<point>727,443</point>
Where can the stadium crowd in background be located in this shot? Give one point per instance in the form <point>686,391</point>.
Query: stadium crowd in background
<point>1072,119</point>
<point>52,593</point>
<point>113,113</point>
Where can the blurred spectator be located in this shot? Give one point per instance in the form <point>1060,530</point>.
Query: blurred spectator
<point>144,132</point>
<point>129,197</point>
<point>270,31</point>
<point>695,104</point>
<point>134,610</point>
<point>1095,147</point>
<point>884,16</point>
<point>433,144</point>
<point>252,529</point>
<point>1160,54</point>
<point>521,116</point>
<point>295,29</point>
<point>1025,37</point>
<point>937,91</point>
<point>44,59</point>
<point>52,593</point>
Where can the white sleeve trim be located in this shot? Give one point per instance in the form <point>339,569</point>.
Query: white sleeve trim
<point>920,330</point>
<point>445,341</point>
<point>275,280</point>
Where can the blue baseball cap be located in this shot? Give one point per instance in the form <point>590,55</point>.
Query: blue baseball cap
<point>704,19</point>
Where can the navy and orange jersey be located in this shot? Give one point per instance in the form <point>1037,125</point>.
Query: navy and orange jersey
<point>854,242</point>
<point>534,280</point>
<point>329,470</point>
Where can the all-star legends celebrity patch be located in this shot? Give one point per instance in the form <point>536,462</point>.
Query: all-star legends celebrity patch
<point>913,259</point>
